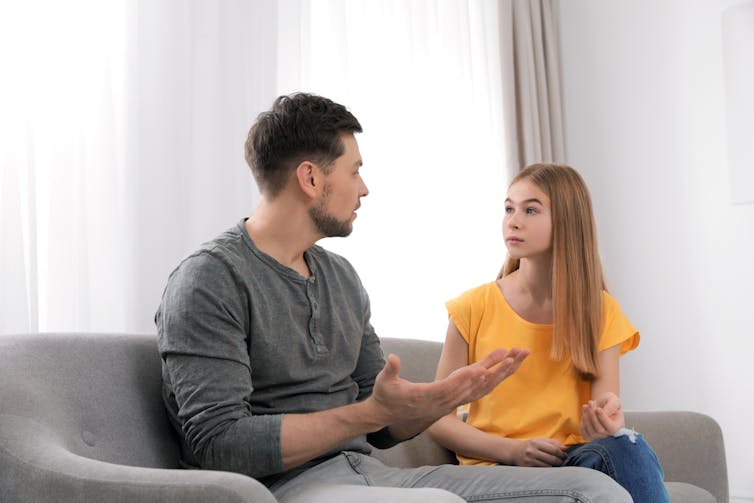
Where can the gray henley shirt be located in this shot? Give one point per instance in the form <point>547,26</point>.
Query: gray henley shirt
<point>244,340</point>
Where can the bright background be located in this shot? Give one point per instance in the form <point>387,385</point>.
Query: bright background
<point>121,132</point>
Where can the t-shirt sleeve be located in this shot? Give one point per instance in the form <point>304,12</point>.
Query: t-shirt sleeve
<point>465,311</point>
<point>461,314</point>
<point>616,328</point>
<point>202,340</point>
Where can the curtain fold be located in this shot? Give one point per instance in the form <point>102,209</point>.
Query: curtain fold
<point>119,157</point>
<point>121,149</point>
<point>532,88</point>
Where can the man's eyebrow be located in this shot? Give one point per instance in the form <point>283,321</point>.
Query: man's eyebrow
<point>526,201</point>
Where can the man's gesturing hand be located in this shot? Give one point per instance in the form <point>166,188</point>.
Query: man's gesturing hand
<point>399,400</point>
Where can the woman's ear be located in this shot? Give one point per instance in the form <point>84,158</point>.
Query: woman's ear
<point>308,177</point>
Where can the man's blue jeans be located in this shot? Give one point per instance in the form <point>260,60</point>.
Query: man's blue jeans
<point>629,460</point>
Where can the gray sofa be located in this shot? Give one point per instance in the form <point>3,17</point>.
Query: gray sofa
<point>81,419</point>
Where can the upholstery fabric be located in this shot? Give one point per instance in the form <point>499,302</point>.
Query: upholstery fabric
<point>81,419</point>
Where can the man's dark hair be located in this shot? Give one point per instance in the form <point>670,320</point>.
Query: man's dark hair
<point>299,127</point>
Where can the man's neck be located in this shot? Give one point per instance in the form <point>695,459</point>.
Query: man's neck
<point>284,233</point>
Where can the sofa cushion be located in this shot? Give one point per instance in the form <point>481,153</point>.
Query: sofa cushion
<point>681,492</point>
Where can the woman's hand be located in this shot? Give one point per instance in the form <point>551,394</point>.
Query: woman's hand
<point>602,417</point>
<point>539,452</point>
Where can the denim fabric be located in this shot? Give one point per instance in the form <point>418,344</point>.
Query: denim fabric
<point>367,480</point>
<point>629,460</point>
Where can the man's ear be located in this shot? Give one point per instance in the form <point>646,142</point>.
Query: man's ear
<point>308,178</point>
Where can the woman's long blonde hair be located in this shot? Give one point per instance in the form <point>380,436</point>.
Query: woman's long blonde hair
<point>577,278</point>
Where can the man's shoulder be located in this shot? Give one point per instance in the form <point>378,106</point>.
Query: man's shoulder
<point>226,252</point>
<point>230,242</point>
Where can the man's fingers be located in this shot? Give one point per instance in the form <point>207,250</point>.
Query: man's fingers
<point>509,365</point>
<point>392,366</point>
<point>493,358</point>
<point>476,380</point>
<point>499,355</point>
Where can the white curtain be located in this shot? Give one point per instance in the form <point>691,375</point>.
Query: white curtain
<point>423,77</point>
<point>60,148</point>
<point>121,149</point>
<point>122,133</point>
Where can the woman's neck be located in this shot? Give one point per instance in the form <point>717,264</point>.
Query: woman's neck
<point>534,276</point>
<point>528,291</point>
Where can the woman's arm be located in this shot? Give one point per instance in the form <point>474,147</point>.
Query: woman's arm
<point>603,415</point>
<point>466,440</point>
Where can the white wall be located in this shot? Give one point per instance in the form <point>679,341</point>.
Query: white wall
<point>645,122</point>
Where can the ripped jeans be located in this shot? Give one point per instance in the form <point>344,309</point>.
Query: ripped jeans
<point>629,460</point>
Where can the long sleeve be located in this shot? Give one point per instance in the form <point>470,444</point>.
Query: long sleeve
<point>245,340</point>
<point>202,325</point>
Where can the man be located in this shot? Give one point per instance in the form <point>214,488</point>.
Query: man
<point>271,367</point>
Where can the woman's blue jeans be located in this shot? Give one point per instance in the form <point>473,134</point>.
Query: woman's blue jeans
<point>629,460</point>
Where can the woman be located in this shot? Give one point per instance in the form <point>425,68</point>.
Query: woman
<point>562,407</point>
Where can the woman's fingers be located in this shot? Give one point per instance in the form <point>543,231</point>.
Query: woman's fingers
<point>547,452</point>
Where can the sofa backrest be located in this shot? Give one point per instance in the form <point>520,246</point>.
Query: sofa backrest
<point>98,393</point>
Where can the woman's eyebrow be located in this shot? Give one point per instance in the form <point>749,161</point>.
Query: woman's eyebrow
<point>526,201</point>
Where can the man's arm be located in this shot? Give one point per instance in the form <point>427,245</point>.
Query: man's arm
<point>407,407</point>
<point>203,344</point>
<point>201,327</point>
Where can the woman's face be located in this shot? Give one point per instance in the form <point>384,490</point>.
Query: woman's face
<point>527,225</point>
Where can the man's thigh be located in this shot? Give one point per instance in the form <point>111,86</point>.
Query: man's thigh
<point>519,484</point>
<point>331,493</point>
<point>341,479</point>
<point>473,483</point>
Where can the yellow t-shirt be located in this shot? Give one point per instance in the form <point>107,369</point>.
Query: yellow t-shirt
<point>543,397</point>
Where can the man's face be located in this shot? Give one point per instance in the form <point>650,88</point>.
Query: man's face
<point>335,211</point>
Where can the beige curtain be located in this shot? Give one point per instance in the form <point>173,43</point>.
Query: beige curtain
<point>531,77</point>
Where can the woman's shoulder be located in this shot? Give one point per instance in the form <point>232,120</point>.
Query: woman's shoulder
<point>617,329</point>
<point>479,291</point>
<point>609,303</point>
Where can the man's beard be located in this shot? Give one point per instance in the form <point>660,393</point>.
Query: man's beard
<point>326,224</point>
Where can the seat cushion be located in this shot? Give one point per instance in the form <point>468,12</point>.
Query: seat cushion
<point>681,492</point>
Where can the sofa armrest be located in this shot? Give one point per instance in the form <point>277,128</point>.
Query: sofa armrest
<point>689,446</point>
<point>36,466</point>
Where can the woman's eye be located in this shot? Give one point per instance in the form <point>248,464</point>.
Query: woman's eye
<point>509,210</point>
<point>531,211</point>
